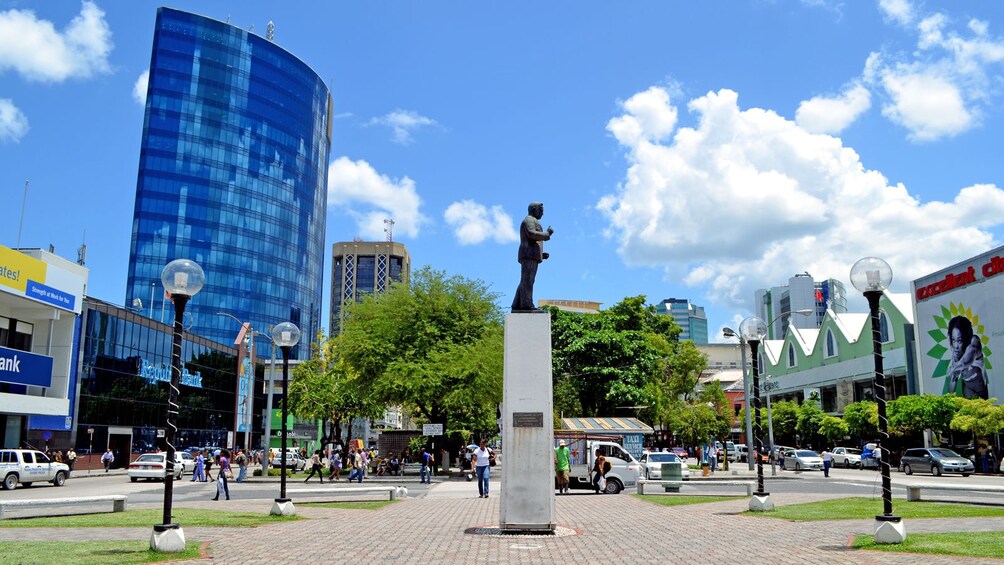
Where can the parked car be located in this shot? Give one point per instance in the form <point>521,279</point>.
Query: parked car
<point>152,466</point>
<point>742,453</point>
<point>731,452</point>
<point>651,463</point>
<point>186,460</point>
<point>802,460</point>
<point>681,452</point>
<point>846,457</point>
<point>936,460</point>
<point>27,466</point>
<point>293,461</point>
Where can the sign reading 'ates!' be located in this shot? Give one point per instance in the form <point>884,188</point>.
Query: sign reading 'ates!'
<point>528,419</point>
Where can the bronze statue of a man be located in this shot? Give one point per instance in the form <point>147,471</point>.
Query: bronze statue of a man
<point>531,253</point>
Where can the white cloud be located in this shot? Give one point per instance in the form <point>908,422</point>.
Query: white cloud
<point>943,87</point>
<point>139,89</point>
<point>899,11</point>
<point>473,223</point>
<point>746,197</point>
<point>403,123</point>
<point>832,115</point>
<point>36,50</point>
<point>13,123</point>
<point>357,189</point>
<point>928,105</point>
<point>650,117</point>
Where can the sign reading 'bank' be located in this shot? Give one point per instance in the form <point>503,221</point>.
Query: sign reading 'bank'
<point>23,368</point>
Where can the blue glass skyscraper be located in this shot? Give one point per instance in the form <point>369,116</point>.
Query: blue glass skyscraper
<point>233,175</point>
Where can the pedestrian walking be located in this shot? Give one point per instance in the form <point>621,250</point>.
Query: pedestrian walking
<point>71,458</point>
<point>200,468</point>
<point>562,466</point>
<point>316,467</point>
<point>780,458</point>
<point>209,464</point>
<point>827,462</point>
<point>356,463</point>
<point>221,475</point>
<point>599,471</point>
<point>242,465</point>
<point>334,466</point>
<point>424,471</point>
<point>481,458</point>
<point>107,459</point>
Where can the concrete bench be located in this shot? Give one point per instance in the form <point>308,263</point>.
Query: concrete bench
<point>913,491</point>
<point>339,492</point>
<point>66,506</point>
<point>411,469</point>
<point>668,485</point>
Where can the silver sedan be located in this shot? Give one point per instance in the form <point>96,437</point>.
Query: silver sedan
<point>802,460</point>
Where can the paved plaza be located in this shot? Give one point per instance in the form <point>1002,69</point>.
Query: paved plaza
<point>442,527</point>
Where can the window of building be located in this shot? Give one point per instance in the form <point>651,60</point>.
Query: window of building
<point>885,328</point>
<point>831,344</point>
<point>792,360</point>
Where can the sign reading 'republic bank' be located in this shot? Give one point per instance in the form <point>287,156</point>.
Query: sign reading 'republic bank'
<point>162,373</point>
<point>23,368</point>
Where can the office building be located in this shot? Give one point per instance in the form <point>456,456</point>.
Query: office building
<point>40,304</point>
<point>232,175</point>
<point>690,317</point>
<point>364,267</point>
<point>801,293</point>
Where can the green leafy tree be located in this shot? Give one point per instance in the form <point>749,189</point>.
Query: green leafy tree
<point>784,414</point>
<point>325,388</point>
<point>434,345</point>
<point>912,414</point>
<point>809,418</point>
<point>833,429</point>
<point>606,360</point>
<point>694,423</point>
<point>979,417</point>
<point>862,419</point>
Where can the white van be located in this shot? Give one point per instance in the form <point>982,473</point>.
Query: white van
<point>624,468</point>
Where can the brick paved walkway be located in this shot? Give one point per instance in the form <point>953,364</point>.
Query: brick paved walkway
<point>611,529</point>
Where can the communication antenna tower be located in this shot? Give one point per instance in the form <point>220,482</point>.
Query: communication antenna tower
<point>270,31</point>
<point>389,229</point>
<point>82,251</point>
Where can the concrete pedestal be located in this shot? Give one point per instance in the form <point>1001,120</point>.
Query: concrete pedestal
<point>283,507</point>
<point>889,531</point>
<point>527,426</point>
<point>167,538</point>
<point>761,503</point>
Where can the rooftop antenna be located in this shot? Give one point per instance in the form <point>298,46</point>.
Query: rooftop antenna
<point>23,200</point>
<point>251,29</point>
<point>82,250</point>
<point>270,31</point>
<point>389,229</point>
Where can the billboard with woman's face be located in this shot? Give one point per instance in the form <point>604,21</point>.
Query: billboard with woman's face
<point>958,316</point>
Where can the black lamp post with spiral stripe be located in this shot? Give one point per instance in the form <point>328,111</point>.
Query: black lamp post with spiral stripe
<point>872,276</point>
<point>182,279</point>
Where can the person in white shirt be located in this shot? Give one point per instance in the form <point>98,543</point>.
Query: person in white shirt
<point>481,459</point>
<point>827,462</point>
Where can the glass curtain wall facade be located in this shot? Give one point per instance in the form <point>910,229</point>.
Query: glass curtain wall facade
<point>125,361</point>
<point>233,175</point>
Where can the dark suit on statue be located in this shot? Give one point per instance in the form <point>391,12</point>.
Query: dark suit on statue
<point>531,253</point>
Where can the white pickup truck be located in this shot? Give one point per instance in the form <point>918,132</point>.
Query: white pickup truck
<point>27,466</point>
<point>624,469</point>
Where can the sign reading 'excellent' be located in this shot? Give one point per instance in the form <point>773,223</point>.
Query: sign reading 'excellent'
<point>23,368</point>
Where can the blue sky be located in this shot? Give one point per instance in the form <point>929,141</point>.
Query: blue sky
<point>693,150</point>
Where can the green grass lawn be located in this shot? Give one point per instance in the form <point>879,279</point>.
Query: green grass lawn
<point>969,544</point>
<point>141,518</point>
<point>372,505</point>
<point>89,552</point>
<point>855,508</point>
<point>684,499</point>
